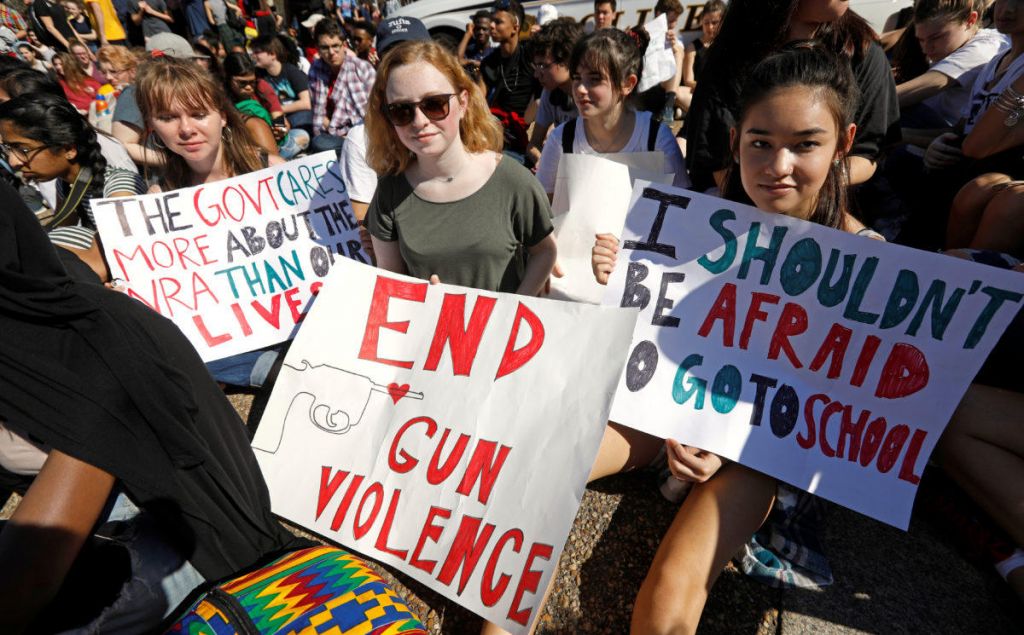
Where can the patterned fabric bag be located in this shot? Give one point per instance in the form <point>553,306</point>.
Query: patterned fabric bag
<point>307,592</point>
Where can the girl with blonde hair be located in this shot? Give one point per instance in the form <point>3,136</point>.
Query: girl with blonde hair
<point>449,207</point>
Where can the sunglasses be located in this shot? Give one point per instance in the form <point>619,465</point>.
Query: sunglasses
<point>434,108</point>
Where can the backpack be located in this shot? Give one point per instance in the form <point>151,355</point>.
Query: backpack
<point>569,135</point>
<point>305,592</point>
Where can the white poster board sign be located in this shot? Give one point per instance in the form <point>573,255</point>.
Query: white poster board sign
<point>659,60</point>
<point>827,360</point>
<point>444,431</point>
<point>233,263</point>
<point>592,196</point>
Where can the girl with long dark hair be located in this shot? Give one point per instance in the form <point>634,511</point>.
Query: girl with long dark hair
<point>752,30</point>
<point>45,139</point>
<point>794,130</point>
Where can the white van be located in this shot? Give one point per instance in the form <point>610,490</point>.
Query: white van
<point>446,19</point>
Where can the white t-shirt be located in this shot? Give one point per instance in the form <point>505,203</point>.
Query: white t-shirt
<point>18,455</point>
<point>963,66</point>
<point>548,113</point>
<point>547,169</point>
<point>360,180</point>
<point>982,97</point>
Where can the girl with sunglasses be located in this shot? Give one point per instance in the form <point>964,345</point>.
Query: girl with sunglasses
<point>448,206</point>
<point>243,87</point>
<point>606,67</point>
<point>780,169</point>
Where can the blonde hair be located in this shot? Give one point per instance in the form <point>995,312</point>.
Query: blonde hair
<point>165,81</point>
<point>116,56</point>
<point>478,130</point>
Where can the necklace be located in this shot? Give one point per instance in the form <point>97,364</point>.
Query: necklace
<point>515,77</point>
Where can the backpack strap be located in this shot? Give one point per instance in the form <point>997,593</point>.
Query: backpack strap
<point>652,133</point>
<point>568,135</point>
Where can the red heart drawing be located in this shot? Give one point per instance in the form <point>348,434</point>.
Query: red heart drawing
<point>397,392</point>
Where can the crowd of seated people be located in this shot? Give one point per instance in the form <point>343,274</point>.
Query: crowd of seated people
<point>918,138</point>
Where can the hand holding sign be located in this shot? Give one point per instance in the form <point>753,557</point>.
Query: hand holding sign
<point>472,487</point>
<point>827,360</point>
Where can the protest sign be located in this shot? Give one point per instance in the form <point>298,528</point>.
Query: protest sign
<point>444,431</point>
<point>233,263</point>
<point>828,360</point>
<point>659,60</point>
<point>592,196</point>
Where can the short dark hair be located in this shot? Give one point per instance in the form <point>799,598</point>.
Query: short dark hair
<point>482,14</point>
<point>513,7</point>
<point>615,5</point>
<point>268,43</point>
<point>665,6</point>
<point>364,26</point>
<point>327,27</point>
<point>558,38</point>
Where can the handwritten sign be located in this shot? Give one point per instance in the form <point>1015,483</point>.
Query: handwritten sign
<point>234,263</point>
<point>828,360</point>
<point>444,431</point>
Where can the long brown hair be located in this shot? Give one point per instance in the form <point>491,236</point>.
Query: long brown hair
<point>479,130</point>
<point>73,73</point>
<point>165,81</point>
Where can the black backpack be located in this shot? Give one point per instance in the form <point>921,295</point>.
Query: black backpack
<point>569,135</point>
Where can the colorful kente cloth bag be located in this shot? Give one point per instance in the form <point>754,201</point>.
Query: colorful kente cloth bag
<point>307,592</point>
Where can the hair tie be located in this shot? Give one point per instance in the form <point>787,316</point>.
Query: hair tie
<point>636,39</point>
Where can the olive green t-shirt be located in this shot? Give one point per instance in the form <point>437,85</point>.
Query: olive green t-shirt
<point>479,241</point>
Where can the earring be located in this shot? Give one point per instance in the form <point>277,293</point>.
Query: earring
<point>836,162</point>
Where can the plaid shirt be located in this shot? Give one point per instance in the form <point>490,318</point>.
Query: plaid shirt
<point>11,19</point>
<point>350,94</point>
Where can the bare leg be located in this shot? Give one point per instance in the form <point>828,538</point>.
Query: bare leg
<point>968,206</point>
<point>715,520</point>
<point>983,450</point>
<point>622,449</point>
<point>1002,223</point>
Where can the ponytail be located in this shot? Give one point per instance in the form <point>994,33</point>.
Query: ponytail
<point>53,121</point>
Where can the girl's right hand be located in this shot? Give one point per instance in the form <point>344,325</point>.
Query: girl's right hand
<point>691,464</point>
<point>943,152</point>
<point>602,257</point>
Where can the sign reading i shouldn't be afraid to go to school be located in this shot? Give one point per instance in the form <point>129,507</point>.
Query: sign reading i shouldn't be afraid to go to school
<point>236,262</point>
<point>445,431</point>
<point>828,360</point>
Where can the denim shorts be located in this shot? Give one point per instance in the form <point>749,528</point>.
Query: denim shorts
<point>160,577</point>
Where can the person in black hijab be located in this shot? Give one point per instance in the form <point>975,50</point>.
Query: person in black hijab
<point>122,403</point>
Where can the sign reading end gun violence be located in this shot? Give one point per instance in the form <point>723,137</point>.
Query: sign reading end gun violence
<point>828,360</point>
<point>445,431</point>
<point>233,263</point>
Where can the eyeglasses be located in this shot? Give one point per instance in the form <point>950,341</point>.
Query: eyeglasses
<point>119,71</point>
<point>434,108</point>
<point>332,47</point>
<point>23,154</point>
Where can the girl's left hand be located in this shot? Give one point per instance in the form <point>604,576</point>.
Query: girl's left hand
<point>689,463</point>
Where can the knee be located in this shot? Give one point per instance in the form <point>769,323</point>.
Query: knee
<point>668,604</point>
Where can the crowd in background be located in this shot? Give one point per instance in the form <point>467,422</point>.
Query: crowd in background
<point>450,157</point>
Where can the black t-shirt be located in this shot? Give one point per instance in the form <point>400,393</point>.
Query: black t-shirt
<point>716,101</point>
<point>41,9</point>
<point>289,84</point>
<point>511,85</point>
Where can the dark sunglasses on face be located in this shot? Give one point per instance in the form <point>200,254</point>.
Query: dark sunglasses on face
<point>244,83</point>
<point>434,108</point>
